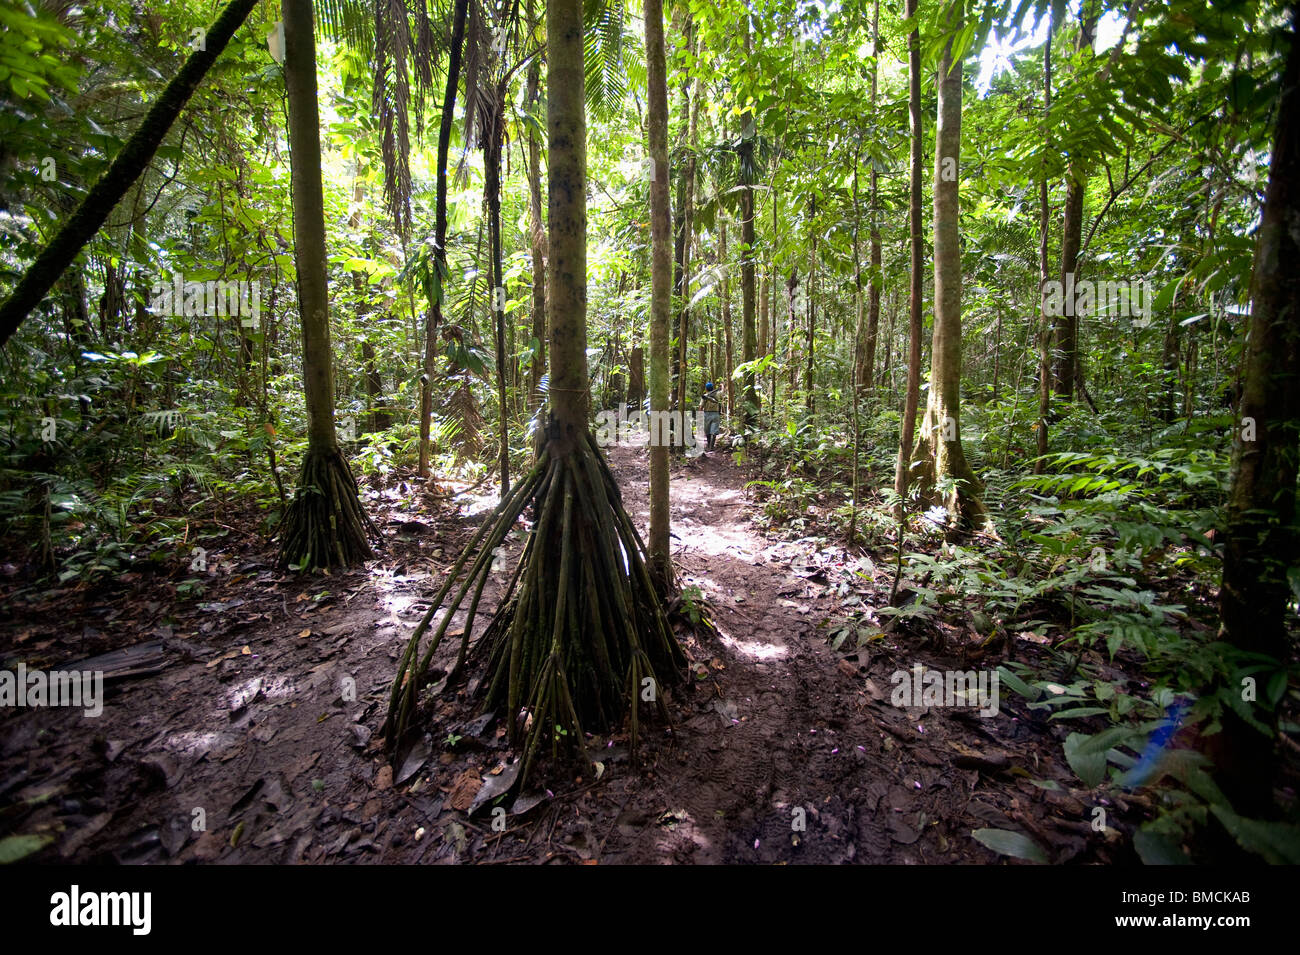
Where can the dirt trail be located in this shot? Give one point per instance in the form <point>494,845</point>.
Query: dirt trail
<point>262,717</point>
<point>779,757</point>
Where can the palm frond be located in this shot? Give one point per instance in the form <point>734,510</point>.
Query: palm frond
<point>605,76</point>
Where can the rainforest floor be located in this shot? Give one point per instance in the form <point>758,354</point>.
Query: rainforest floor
<point>241,724</point>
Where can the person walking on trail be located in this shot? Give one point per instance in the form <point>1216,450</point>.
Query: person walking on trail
<point>712,409</point>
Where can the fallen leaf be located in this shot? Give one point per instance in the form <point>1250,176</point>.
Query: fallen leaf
<point>464,789</point>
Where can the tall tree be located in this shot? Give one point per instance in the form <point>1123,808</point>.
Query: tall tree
<point>493,125</point>
<point>692,94</point>
<point>1044,271</point>
<point>537,232</point>
<point>324,526</point>
<point>939,452</point>
<point>434,318</point>
<point>903,470</point>
<point>1068,369</point>
<point>868,354</point>
<point>585,640</point>
<point>1262,544</point>
<point>810,397</point>
<point>661,291</point>
<point>749,337</point>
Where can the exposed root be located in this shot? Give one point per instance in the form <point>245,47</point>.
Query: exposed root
<point>325,526</point>
<point>580,640</point>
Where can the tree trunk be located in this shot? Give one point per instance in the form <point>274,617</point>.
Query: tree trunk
<point>1044,275</point>
<point>495,135</point>
<point>125,170</point>
<point>810,398</point>
<point>660,561</point>
<point>726,321</point>
<point>434,319</point>
<point>1261,540</point>
<point>939,449</point>
<point>584,638</point>
<point>324,526</point>
<point>538,235</point>
<point>868,354</point>
<point>686,228</point>
<point>1069,367</point>
<point>749,343</point>
<point>903,471</point>
<point>566,128</point>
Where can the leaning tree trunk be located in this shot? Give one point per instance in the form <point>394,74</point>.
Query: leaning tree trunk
<point>434,319</point>
<point>661,278</point>
<point>903,470</point>
<point>580,638</point>
<point>1260,531</point>
<point>324,526</point>
<point>125,170</point>
<point>942,460</point>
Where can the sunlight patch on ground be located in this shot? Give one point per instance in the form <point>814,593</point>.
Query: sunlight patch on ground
<point>193,744</point>
<point>753,649</point>
<point>477,503</point>
<point>717,541</point>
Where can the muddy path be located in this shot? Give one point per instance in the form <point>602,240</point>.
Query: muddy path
<point>249,734</point>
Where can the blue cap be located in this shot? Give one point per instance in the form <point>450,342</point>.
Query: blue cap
<point>708,386</point>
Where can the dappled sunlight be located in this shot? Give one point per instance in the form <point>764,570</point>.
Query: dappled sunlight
<point>755,649</point>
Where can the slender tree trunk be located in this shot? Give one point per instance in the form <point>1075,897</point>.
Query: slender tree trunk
<point>1069,366</point>
<point>940,448</point>
<point>726,319</point>
<point>440,228</point>
<point>810,397</point>
<point>566,128</point>
<point>660,560</point>
<point>687,226</point>
<point>749,343</point>
<point>868,354</point>
<point>1044,274</point>
<point>492,187</point>
<point>538,235</point>
<point>324,526</point>
<point>1260,532</point>
<point>903,471</point>
<point>125,170</point>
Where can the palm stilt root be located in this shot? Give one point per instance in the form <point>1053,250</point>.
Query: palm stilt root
<point>580,640</point>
